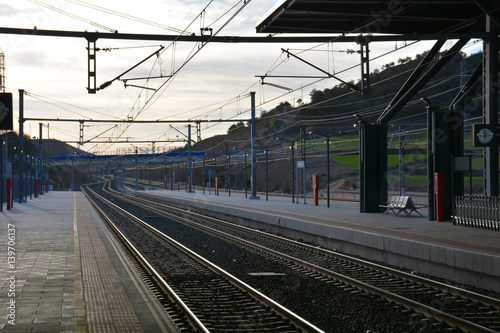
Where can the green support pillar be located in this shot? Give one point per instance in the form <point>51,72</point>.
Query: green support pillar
<point>445,131</point>
<point>370,161</point>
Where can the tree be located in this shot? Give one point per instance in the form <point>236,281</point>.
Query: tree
<point>402,61</point>
<point>236,126</point>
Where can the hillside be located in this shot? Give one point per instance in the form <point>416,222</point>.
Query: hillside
<point>329,112</point>
<point>56,148</point>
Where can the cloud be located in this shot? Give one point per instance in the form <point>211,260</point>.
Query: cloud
<point>56,68</point>
<point>31,58</point>
<point>6,10</point>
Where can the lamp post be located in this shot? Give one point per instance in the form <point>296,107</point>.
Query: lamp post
<point>266,155</point>
<point>28,177</point>
<point>246,176</point>
<point>402,152</point>
<point>228,173</point>
<point>245,170</point>
<point>13,153</point>
<point>228,170</point>
<point>73,174</point>
<point>292,143</point>
<point>267,174</point>
<point>136,170</point>
<point>253,150</point>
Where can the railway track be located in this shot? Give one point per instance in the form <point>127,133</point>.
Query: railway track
<point>206,297</point>
<point>455,306</point>
<point>461,308</point>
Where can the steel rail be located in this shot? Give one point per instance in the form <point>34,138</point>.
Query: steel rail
<point>298,321</point>
<point>486,300</point>
<point>397,273</point>
<point>190,316</point>
<point>408,303</point>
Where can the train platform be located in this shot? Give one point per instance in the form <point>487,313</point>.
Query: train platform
<point>466,255</point>
<point>62,270</point>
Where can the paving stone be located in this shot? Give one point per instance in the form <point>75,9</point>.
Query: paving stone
<point>52,270</point>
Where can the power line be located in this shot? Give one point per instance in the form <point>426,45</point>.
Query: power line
<point>79,18</point>
<point>127,16</point>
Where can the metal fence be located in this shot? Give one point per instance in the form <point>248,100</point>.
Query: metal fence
<point>477,212</point>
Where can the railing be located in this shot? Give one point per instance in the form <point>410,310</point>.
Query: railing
<point>477,212</point>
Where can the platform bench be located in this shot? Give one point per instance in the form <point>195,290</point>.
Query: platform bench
<point>400,203</point>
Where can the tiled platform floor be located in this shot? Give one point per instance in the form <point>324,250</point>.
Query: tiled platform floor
<point>67,273</point>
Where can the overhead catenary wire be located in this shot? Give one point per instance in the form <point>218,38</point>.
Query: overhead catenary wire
<point>54,101</point>
<point>259,105</point>
<point>123,128</point>
<point>326,119</point>
<point>285,94</point>
<point>318,104</point>
<point>189,58</point>
<point>79,18</point>
<point>127,16</point>
<point>276,65</point>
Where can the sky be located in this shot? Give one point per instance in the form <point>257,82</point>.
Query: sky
<point>213,84</point>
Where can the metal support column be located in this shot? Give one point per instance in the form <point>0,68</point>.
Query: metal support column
<point>369,167</point>
<point>39,172</point>
<point>198,131</point>
<point>80,140</point>
<point>136,171</point>
<point>1,173</point>
<point>253,179</point>
<point>430,163</point>
<point>21,144</point>
<point>365,66</point>
<point>92,78</point>
<point>490,103</point>
<point>190,163</point>
<point>369,195</point>
<point>228,172</point>
<point>444,131</point>
<point>73,174</point>
<point>267,174</point>
<point>328,171</point>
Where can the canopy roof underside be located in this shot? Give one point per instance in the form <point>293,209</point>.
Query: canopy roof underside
<point>375,16</point>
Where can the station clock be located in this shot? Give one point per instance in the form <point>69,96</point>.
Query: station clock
<point>484,135</point>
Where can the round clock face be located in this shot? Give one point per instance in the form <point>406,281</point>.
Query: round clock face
<point>3,112</point>
<point>485,135</point>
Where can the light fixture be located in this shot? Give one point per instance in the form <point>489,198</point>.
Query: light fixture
<point>426,101</point>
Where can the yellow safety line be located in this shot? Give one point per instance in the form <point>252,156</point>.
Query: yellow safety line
<point>79,300</point>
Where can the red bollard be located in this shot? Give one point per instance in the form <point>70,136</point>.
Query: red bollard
<point>216,185</point>
<point>316,189</point>
<point>438,196</point>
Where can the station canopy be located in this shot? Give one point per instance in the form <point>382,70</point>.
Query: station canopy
<point>378,17</point>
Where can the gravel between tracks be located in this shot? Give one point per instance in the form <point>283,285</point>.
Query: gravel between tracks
<point>331,306</point>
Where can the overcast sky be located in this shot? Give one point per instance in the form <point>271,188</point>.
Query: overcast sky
<point>53,70</point>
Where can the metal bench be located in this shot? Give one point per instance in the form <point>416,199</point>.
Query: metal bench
<point>400,203</point>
